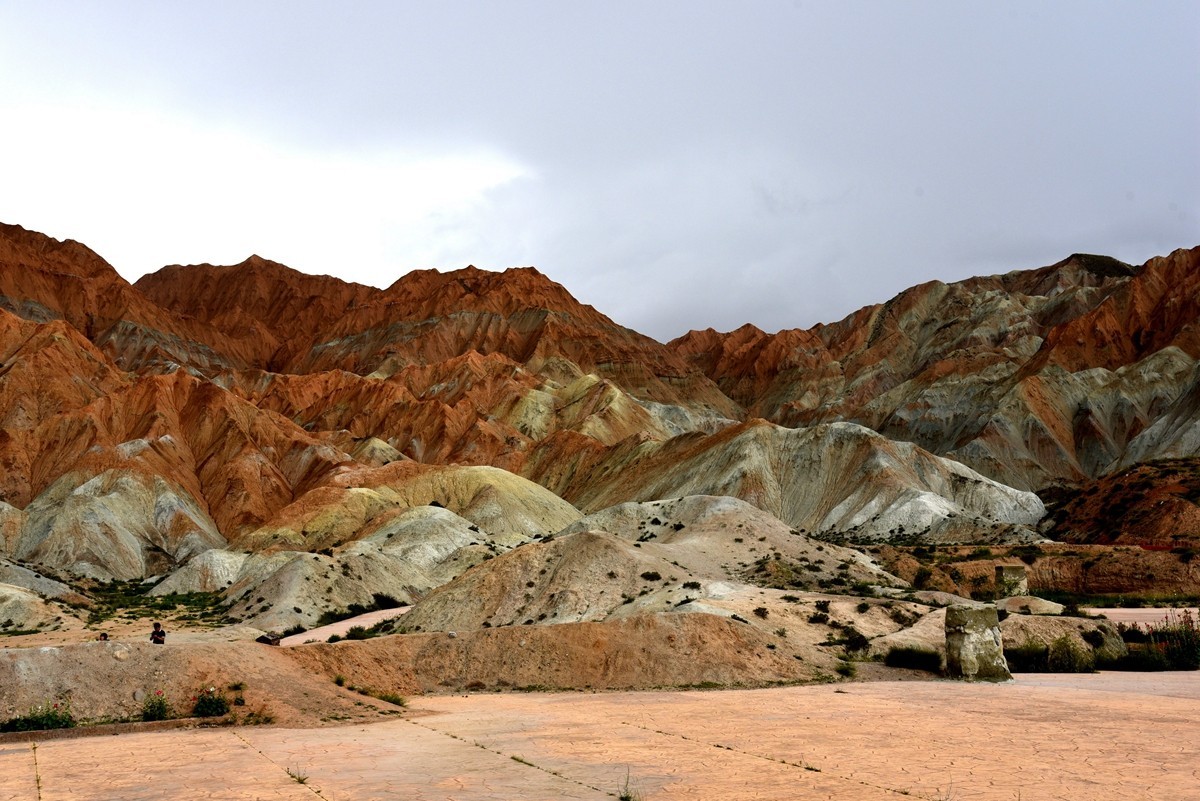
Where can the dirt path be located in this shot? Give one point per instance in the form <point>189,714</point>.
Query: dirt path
<point>1102,737</point>
<point>323,633</point>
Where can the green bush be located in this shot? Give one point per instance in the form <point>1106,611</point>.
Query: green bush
<point>155,707</point>
<point>854,640</point>
<point>50,715</point>
<point>210,704</point>
<point>913,657</point>
<point>1065,655</point>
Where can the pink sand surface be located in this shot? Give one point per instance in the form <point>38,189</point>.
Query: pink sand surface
<point>1097,737</point>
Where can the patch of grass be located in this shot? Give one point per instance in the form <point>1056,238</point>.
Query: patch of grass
<point>846,669</point>
<point>627,792</point>
<point>297,776</point>
<point>392,698</point>
<point>49,715</point>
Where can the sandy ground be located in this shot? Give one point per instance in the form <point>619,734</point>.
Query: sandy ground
<point>1097,737</point>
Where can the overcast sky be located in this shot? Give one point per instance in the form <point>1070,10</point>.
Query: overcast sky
<point>677,165</point>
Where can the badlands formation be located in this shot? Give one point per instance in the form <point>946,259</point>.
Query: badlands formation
<point>559,501</point>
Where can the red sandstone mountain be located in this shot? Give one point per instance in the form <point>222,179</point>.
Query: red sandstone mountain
<point>193,408</point>
<point>1029,377</point>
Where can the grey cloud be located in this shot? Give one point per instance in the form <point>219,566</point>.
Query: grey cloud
<point>708,164</point>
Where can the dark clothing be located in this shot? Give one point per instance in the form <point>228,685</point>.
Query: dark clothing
<point>158,636</point>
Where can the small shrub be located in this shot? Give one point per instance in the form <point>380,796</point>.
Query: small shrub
<point>391,698</point>
<point>155,707</point>
<point>691,585</point>
<point>921,579</point>
<point>339,680</point>
<point>1065,655</point>
<point>846,669</point>
<point>854,640</point>
<point>652,575</point>
<point>863,607</point>
<point>817,618</point>
<point>357,633</point>
<point>823,606</point>
<point>210,704</point>
<point>761,612</point>
<point>1132,633</point>
<point>913,657</point>
<point>1094,637</point>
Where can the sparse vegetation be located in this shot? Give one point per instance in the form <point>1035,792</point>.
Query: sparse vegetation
<point>1173,644</point>
<point>913,657</point>
<point>627,792</point>
<point>49,715</point>
<point>1028,657</point>
<point>129,600</point>
<point>378,601</point>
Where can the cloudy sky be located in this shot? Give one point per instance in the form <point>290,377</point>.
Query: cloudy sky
<point>677,165</point>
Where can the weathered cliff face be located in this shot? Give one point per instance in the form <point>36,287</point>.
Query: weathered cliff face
<point>308,325</point>
<point>1027,377</point>
<point>43,279</point>
<point>254,407</point>
<point>838,480</point>
<point>1154,505</point>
